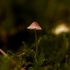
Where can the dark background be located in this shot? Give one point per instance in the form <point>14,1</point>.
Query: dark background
<point>17,15</point>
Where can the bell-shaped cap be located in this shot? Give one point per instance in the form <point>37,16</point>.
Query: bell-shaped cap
<point>34,25</point>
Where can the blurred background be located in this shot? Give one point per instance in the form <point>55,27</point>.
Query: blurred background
<point>17,15</point>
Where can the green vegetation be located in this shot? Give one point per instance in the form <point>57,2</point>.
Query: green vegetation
<point>16,15</point>
<point>47,58</point>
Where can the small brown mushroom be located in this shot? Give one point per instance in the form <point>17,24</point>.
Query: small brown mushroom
<point>35,26</point>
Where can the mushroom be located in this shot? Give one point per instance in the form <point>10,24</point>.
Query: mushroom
<point>35,26</point>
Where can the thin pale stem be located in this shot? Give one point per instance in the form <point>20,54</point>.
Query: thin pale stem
<point>36,43</point>
<point>3,52</point>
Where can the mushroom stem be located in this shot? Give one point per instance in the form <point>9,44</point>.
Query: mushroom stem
<point>36,43</point>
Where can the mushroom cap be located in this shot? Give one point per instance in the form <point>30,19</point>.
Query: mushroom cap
<point>34,25</point>
<point>61,28</point>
